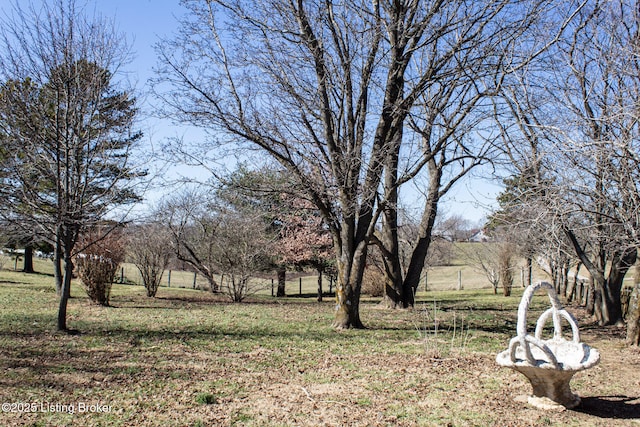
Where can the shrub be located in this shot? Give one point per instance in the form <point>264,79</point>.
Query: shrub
<point>96,274</point>
<point>150,251</point>
<point>505,268</point>
<point>242,248</point>
<point>98,263</point>
<point>373,282</point>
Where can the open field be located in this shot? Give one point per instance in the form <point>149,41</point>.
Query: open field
<point>190,358</point>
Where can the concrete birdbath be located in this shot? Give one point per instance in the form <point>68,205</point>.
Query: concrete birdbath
<point>548,364</point>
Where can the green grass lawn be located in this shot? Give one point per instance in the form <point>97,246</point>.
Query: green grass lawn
<point>191,358</point>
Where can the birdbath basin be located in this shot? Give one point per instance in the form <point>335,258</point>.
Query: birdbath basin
<point>548,364</point>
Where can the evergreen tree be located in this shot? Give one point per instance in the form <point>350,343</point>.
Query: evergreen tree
<point>65,127</point>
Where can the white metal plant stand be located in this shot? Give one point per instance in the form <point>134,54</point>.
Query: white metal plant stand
<point>548,364</point>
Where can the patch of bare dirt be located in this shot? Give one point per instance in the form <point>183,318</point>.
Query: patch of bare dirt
<point>397,390</point>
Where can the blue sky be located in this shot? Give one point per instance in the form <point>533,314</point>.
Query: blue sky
<point>143,22</point>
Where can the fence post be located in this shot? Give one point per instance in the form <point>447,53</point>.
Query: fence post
<point>121,274</point>
<point>195,275</point>
<point>459,280</point>
<point>169,279</point>
<point>272,286</point>
<point>300,283</point>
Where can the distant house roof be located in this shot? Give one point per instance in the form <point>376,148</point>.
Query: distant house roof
<point>479,236</point>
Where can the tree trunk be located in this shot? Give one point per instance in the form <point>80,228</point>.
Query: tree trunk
<point>67,238</point>
<point>66,293</point>
<point>389,247</point>
<point>28,259</point>
<point>282,277</point>
<point>582,297</point>
<point>389,241</point>
<point>590,297</point>
<point>57,267</point>
<point>598,306</point>
<point>633,316</point>
<point>319,284</point>
<point>553,265</point>
<point>612,291</point>
<point>214,286</point>
<point>347,307</point>
<point>393,287</point>
<point>573,294</point>
<point>571,291</point>
<point>393,290</point>
<point>564,283</point>
<point>419,254</point>
<point>348,287</point>
<point>608,286</point>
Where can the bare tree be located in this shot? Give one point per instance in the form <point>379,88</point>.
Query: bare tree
<point>581,128</point>
<point>299,86</point>
<point>484,258</point>
<point>243,249</point>
<point>326,89</point>
<point>65,123</point>
<point>190,217</point>
<point>149,249</point>
<point>445,86</point>
<point>455,228</point>
<point>226,243</point>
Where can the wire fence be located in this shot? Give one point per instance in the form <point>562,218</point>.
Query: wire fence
<point>297,284</point>
<point>130,275</point>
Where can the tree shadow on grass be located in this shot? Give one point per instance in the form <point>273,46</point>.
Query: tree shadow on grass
<point>617,407</point>
<point>10,282</point>
<point>40,273</point>
<point>38,359</point>
<point>221,299</point>
<point>604,333</point>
